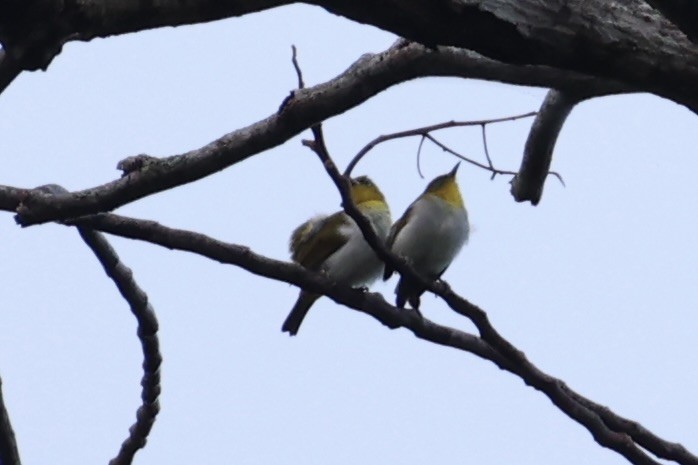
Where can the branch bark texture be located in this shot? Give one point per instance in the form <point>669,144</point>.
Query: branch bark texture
<point>683,13</point>
<point>528,183</point>
<point>627,42</point>
<point>365,78</point>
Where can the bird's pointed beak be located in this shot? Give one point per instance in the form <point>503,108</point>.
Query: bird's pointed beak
<point>454,170</point>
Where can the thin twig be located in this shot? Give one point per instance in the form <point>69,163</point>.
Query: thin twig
<point>447,149</point>
<point>419,157</point>
<point>9,455</point>
<point>426,130</point>
<point>487,150</point>
<point>372,304</point>
<point>299,73</point>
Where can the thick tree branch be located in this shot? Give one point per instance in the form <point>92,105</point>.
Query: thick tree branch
<point>368,76</point>
<point>9,455</point>
<point>609,433</point>
<point>8,70</point>
<point>682,13</point>
<point>538,152</point>
<point>633,44</point>
<point>147,335</point>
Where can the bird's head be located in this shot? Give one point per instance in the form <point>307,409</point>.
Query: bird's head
<point>364,190</point>
<point>446,188</point>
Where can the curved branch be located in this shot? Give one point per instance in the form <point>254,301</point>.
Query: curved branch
<point>9,455</point>
<point>615,434</point>
<point>367,77</point>
<point>147,334</point>
<point>538,152</point>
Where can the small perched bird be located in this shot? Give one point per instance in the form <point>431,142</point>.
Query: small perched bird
<point>335,245</point>
<point>429,235</point>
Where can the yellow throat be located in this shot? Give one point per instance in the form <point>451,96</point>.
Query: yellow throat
<point>365,194</point>
<point>446,188</point>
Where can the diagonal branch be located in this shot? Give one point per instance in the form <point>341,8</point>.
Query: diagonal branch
<point>147,334</point>
<point>555,389</point>
<point>607,428</point>
<point>367,77</point>
<point>9,455</point>
<point>423,131</point>
<point>370,303</point>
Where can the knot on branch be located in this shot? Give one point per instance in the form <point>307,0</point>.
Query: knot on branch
<point>135,163</point>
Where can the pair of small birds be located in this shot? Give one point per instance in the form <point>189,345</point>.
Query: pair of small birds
<point>429,235</point>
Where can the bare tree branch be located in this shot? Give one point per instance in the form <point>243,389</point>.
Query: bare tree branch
<point>645,438</point>
<point>635,46</point>
<point>422,132</point>
<point>683,13</point>
<point>368,76</point>
<point>147,334</point>
<point>370,303</point>
<point>538,152</point>
<point>9,455</point>
<point>607,428</point>
<point>555,389</point>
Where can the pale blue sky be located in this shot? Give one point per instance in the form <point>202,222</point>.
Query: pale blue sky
<point>596,284</point>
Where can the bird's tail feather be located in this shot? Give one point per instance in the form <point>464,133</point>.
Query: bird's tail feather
<point>408,291</point>
<point>298,312</point>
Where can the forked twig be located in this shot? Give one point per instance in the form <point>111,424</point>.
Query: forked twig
<point>425,133</point>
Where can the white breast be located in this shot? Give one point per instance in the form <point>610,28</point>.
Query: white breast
<point>356,263</point>
<point>433,236</point>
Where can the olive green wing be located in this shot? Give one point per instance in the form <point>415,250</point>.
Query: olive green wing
<point>394,231</point>
<point>315,240</point>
